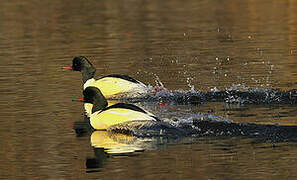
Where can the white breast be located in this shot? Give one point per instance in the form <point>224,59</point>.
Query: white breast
<point>88,82</point>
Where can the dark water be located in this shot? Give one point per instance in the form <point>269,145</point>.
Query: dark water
<point>202,45</point>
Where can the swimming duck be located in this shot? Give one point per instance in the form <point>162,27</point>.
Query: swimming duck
<point>103,116</point>
<point>112,86</point>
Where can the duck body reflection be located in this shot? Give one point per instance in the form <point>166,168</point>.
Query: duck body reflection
<point>108,144</point>
<point>115,143</point>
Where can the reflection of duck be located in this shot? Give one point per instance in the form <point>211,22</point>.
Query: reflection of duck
<point>114,143</point>
<point>111,86</point>
<point>105,144</point>
<point>108,143</point>
<point>102,117</point>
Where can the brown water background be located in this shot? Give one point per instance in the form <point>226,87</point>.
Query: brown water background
<point>205,44</point>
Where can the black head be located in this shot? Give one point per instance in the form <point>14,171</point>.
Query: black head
<point>94,96</point>
<point>82,64</point>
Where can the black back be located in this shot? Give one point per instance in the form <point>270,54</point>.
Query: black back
<point>129,106</point>
<point>126,106</point>
<point>128,78</point>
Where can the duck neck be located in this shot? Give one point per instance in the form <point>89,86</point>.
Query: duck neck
<point>88,73</point>
<point>99,103</point>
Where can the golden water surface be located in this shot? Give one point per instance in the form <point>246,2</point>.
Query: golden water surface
<point>200,44</point>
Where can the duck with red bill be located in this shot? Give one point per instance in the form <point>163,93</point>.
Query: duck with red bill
<point>113,86</point>
<point>68,67</point>
<point>79,99</point>
<point>88,107</point>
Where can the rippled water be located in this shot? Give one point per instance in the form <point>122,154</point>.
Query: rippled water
<point>201,45</point>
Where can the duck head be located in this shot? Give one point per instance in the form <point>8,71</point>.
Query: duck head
<point>82,64</point>
<point>94,96</point>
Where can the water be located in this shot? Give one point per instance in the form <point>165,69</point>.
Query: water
<point>205,45</point>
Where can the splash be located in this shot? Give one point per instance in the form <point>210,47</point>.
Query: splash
<point>237,94</point>
<point>194,125</point>
<point>205,125</point>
